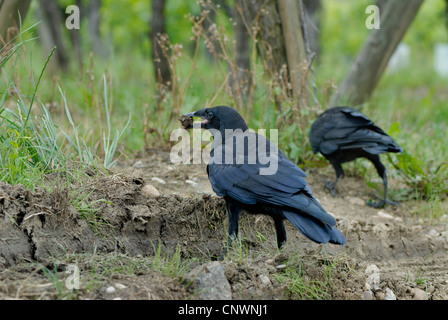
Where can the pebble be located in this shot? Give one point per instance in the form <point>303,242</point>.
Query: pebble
<point>419,294</point>
<point>379,295</point>
<point>193,183</point>
<point>138,164</point>
<point>373,277</point>
<point>281,266</point>
<point>150,191</point>
<point>384,215</point>
<point>158,180</point>
<point>389,295</point>
<point>110,289</point>
<point>368,295</point>
<point>432,232</point>
<point>264,280</point>
<point>120,286</point>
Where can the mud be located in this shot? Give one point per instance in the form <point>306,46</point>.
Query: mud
<point>41,227</point>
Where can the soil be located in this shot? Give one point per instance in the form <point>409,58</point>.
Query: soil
<point>130,221</point>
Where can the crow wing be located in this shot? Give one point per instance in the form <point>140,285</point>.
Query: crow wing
<point>345,128</point>
<point>285,188</point>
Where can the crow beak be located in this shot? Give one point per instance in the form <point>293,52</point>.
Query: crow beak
<point>191,114</point>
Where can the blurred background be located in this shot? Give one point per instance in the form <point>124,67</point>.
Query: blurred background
<point>135,66</point>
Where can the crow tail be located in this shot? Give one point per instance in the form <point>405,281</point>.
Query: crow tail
<point>314,229</point>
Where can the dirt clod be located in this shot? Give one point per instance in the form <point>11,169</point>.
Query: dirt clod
<point>186,121</point>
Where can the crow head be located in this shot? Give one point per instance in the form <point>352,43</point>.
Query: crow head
<point>219,118</point>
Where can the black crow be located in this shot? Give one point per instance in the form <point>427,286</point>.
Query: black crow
<point>253,175</point>
<point>343,134</point>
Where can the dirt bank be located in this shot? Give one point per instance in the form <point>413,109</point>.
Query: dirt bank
<point>123,219</point>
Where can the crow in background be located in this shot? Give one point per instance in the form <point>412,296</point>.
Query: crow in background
<point>343,134</point>
<point>281,194</point>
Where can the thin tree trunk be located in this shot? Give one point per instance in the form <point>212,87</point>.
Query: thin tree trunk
<point>161,64</point>
<point>295,45</point>
<point>50,31</point>
<point>371,61</point>
<point>312,20</point>
<point>94,17</point>
<point>240,77</point>
<point>263,17</point>
<point>75,37</point>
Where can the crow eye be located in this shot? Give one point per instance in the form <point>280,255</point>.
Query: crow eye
<point>210,114</point>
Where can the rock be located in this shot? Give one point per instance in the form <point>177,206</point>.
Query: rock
<point>380,295</point>
<point>433,232</point>
<point>264,279</point>
<point>383,214</point>
<point>389,295</point>
<point>193,183</point>
<point>110,289</point>
<point>120,286</point>
<point>281,266</point>
<point>373,277</point>
<point>368,295</point>
<point>158,180</point>
<point>419,294</point>
<point>138,164</point>
<point>210,281</point>
<point>150,191</point>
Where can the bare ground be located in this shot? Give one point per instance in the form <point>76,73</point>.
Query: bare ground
<point>41,234</point>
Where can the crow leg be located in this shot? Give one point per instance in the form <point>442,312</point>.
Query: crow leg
<point>381,169</point>
<point>233,211</point>
<point>331,185</point>
<point>281,232</point>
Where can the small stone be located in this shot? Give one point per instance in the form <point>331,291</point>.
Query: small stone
<point>110,289</point>
<point>211,282</point>
<point>432,232</point>
<point>373,277</point>
<point>419,294</point>
<point>264,279</point>
<point>150,191</point>
<point>389,295</point>
<point>158,180</point>
<point>281,266</point>
<point>138,164</point>
<point>380,295</point>
<point>368,295</point>
<point>120,286</point>
<point>383,214</point>
<point>193,183</point>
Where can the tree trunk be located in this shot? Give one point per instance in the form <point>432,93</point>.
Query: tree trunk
<point>50,32</point>
<point>75,37</point>
<point>94,17</point>
<point>160,60</point>
<point>9,18</point>
<point>312,21</point>
<point>295,45</point>
<point>240,76</point>
<point>263,16</point>
<point>372,59</point>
